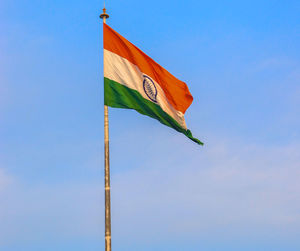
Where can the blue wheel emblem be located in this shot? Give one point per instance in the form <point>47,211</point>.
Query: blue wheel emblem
<point>150,88</point>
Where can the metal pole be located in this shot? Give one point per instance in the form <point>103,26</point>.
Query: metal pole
<point>104,16</point>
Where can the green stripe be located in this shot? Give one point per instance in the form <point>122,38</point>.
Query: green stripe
<point>120,96</point>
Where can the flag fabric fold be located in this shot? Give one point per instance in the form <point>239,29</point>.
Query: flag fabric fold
<point>132,80</point>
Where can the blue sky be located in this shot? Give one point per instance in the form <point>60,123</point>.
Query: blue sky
<point>241,61</point>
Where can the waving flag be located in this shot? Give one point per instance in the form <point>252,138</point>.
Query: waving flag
<point>133,80</point>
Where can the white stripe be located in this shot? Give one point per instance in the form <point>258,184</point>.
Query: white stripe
<point>124,72</point>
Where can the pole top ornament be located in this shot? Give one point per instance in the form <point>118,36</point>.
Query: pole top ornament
<point>104,14</point>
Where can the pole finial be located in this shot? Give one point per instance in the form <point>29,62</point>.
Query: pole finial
<point>104,15</point>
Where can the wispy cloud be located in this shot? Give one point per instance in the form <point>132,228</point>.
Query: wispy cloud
<point>40,212</point>
<point>225,189</point>
<point>229,189</point>
<point>5,180</point>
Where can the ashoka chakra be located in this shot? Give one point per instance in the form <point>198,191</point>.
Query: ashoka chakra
<point>150,88</point>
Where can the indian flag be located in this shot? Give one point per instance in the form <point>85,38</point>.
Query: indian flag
<point>132,80</point>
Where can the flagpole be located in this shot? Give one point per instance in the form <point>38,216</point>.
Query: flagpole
<point>104,16</point>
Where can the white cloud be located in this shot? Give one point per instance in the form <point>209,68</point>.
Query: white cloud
<point>5,180</point>
<point>225,189</point>
<point>234,189</point>
<point>32,213</point>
